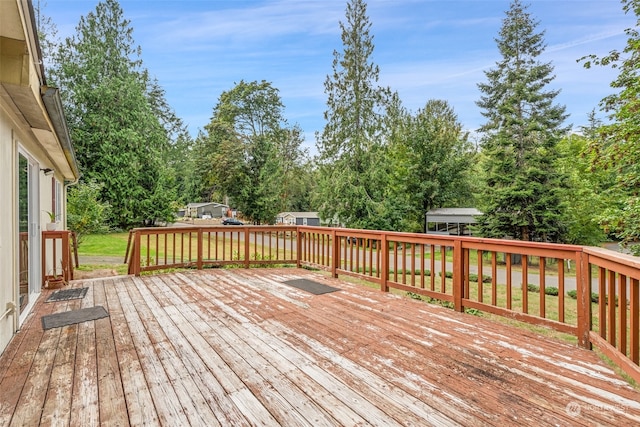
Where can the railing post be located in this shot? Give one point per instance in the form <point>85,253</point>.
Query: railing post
<point>135,253</point>
<point>335,253</point>
<point>65,257</point>
<point>458,275</point>
<point>247,252</point>
<point>583,288</point>
<point>200,251</point>
<point>298,247</point>
<point>384,263</point>
<point>44,258</point>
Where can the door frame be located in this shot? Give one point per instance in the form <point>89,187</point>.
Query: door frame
<point>33,209</point>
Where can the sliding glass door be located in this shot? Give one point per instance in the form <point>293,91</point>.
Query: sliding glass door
<point>29,231</point>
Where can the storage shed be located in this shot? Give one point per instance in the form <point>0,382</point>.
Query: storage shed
<point>451,221</point>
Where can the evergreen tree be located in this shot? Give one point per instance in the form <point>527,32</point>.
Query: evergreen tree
<point>522,198</point>
<point>617,146</point>
<point>351,146</point>
<point>114,117</point>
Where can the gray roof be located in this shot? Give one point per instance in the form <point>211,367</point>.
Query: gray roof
<point>200,205</point>
<point>299,214</point>
<point>453,215</point>
<point>455,211</point>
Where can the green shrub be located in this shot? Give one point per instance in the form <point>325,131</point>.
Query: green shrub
<point>595,298</point>
<point>553,291</point>
<point>86,214</point>
<point>473,277</point>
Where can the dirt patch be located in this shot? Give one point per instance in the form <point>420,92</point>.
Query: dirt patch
<point>94,274</point>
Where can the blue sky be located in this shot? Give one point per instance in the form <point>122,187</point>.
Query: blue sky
<point>425,49</point>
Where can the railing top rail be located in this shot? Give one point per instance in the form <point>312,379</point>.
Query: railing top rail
<point>195,228</point>
<point>391,235</point>
<point>614,256</point>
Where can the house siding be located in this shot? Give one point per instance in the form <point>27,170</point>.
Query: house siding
<point>31,127</point>
<point>8,240</point>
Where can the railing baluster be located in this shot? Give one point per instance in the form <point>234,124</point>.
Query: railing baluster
<point>432,261</point>
<point>622,313</point>
<point>542,276</point>
<point>525,283</point>
<point>602,302</point>
<point>480,274</point>
<point>422,266</point>
<point>611,304</point>
<point>508,260</point>
<point>634,324</point>
<point>494,278</point>
<point>561,289</point>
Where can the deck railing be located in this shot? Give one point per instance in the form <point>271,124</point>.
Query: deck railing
<point>59,255</point>
<point>151,249</point>
<point>591,293</point>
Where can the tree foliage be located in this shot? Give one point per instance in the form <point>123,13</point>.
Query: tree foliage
<point>588,193</point>
<point>430,158</point>
<point>118,118</point>
<point>617,147</point>
<point>254,156</point>
<point>86,214</point>
<point>351,146</point>
<point>523,194</point>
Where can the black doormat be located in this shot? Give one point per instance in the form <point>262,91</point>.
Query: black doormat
<point>72,317</point>
<point>310,286</point>
<point>67,294</point>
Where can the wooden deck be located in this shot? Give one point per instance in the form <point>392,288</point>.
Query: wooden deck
<point>236,347</point>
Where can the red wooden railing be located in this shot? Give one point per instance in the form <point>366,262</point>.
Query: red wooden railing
<point>59,252</point>
<point>504,277</point>
<point>151,249</point>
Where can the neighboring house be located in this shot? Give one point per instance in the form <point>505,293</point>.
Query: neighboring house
<point>210,209</point>
<point>451,221</point>
<point>298,218</point>
<point>37,163</point>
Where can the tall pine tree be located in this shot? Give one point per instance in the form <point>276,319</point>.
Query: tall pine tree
<point>522,197</point>
<point>351,147</point>
<point>115,114</point>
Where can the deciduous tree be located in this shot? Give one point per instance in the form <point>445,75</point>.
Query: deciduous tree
<point>253,152</point>
<point>617,147</point>
<point>430,162</point>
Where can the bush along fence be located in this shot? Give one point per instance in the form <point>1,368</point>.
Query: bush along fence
<point>591,293</point>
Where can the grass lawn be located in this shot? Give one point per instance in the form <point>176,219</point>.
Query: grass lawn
<point>107,245</point>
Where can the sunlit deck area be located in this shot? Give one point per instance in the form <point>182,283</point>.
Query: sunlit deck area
<point>237,347</point>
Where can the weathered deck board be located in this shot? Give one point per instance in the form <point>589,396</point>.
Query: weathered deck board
<point>85,408</point>
<point>137,395</point>
<point>238,347</point>
<point>17,361</point>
